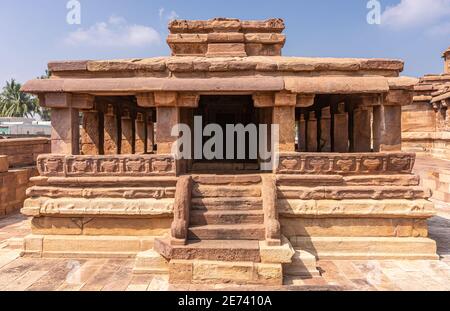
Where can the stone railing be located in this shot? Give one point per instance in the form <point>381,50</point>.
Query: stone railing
<point>51,165</point>
<point>24,151</point>
<point>346,164</point>
<point>182,206</point>
<point>272,225</point>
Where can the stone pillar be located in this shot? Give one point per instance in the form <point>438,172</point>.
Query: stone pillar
<point>340,131</point>
<point>167,118</point>
<point>311,132</point>
<point>127,133</point>
<point>65,131</point>
<point>362,129</point>
<point>140,134</point>
<point>387,128</point>
<point>90,134</point>
<point>325,130</point>
<point>111,132</point>
<point>302,133</point>
<point>284,116</point>
<point>150,133</point>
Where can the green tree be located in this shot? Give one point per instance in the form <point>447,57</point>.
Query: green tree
<point>14,103</point>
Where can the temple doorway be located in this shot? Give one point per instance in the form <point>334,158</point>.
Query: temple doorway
<point>229,110</point>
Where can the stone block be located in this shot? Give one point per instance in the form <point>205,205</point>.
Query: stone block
<point>304,265</point>
<point>180,272</point>
<point>276,254</point>
<point>222,272</point>
<point>226,49</point>
<point>268,274</point>
<point>150,262</point>
<point>4,164</point>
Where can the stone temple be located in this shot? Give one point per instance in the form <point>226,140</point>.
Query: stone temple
<point>342,189</point>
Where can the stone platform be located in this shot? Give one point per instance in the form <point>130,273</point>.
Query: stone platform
<point>81,274</point>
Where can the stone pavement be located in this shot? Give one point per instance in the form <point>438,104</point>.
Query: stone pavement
<point>33,274</point>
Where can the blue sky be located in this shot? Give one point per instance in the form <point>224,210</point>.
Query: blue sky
<point>34,32</point>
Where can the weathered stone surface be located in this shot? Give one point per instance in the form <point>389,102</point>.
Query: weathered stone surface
<point>357,208</point>
<point>105,207</point>
<point>4,164</point>
<point>66,246</point>
<point>346,164</point>
<point>276,254</point>
<point>353,248</point>
<point>303,265</point>
<point>354,227</point>
<point>150,262</point>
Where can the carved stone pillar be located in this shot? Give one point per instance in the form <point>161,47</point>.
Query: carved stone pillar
<point>325,130</point>
<point>140,139</point>
<point>311,132</point>
<point>284,116</point>
<point>65,131</point>
<point>362,129</point>
<point>150,133</point>
<point>90,134</point>
<point>127,133</point>
<point>167,118</point>
<point>341,143</point>
<point>111,132</point>
<point>302,133</point>
<point>387,128</point>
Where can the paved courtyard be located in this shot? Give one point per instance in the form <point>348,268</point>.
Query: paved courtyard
<point>33,274</point>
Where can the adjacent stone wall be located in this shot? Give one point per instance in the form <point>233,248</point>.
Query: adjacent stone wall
<point>17,166</point>
<point>23,152</point>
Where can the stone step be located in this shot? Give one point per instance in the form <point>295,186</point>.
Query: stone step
<point>238,203</point>
<point>217,250</point>
<point>222,272</point>
<point>200,218</point>
<point>200,191</point>
<point>233,180</point>
<point>227,232</point>
<point>304,265</point>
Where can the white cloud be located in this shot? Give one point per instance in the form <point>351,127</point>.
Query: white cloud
<point>170,16</point>
<point>115,33</point>
<point>415,13</point>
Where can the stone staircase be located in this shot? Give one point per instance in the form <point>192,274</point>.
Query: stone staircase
<point>226,236</point>
<point>227,208</point>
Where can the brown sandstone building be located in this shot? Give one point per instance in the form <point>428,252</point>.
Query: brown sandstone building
<point>345,190</point>
<point>426,122</point>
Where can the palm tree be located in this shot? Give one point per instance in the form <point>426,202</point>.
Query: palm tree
<point>14,103</point>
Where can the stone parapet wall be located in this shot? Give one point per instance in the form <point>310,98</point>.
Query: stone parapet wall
<point>24,151</point>
<point>17,166</point>
<point>13,186</point>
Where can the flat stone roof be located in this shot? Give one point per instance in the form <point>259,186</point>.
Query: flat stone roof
<point>228,64</point>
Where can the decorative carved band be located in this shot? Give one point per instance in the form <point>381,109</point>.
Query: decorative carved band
<point>346,164</point>
<point>126,165</point>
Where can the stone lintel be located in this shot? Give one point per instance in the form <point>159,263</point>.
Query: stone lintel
<point>188,100</point>
<point>399,98</point>
<point>336,85</point>
<point>166,99</point>
<point>263,100</point>
<point>67,100</point>
<point>145,100</point>
<point>283,99</point>
<point>56,100</point>
<point>305,100</point>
